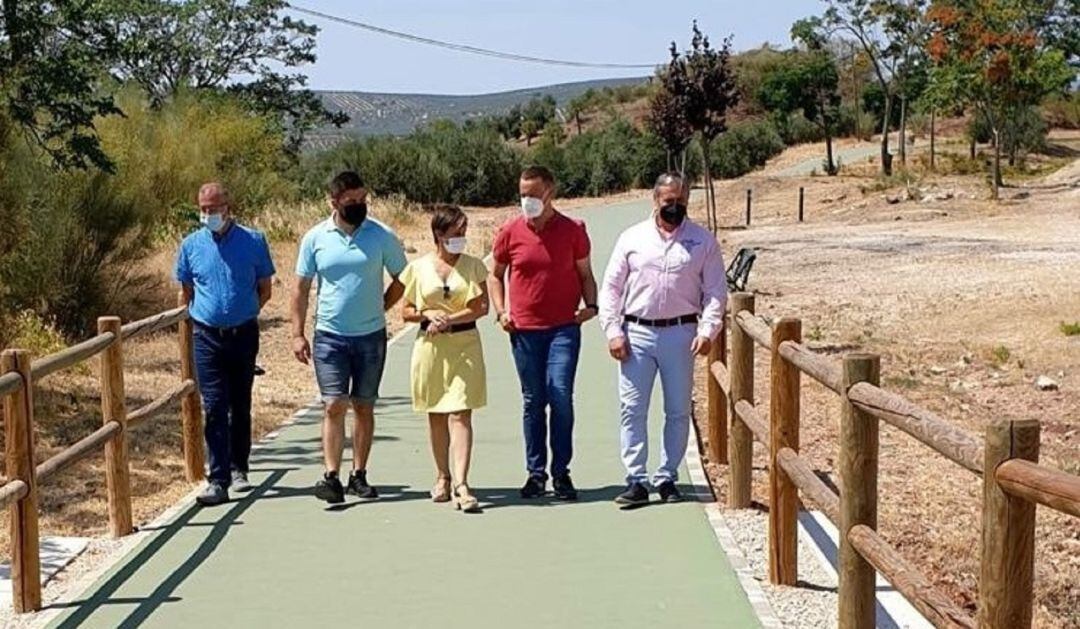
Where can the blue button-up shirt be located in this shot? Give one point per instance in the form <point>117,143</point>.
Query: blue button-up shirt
<point>349,269</point>
<point>224,271</point>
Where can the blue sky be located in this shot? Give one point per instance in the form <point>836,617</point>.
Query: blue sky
<point>609,31</point>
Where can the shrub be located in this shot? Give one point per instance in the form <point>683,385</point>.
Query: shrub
<point>1063,111</point>
<point>443,162</point>
<point>1070,329</point>
<point>614,158</point>
<point>744,147</point>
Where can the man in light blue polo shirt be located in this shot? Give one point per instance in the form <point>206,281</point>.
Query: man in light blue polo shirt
<point>225,270</point>
<point>347,254</point>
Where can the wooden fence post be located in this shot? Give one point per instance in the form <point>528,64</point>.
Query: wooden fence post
<point>783,433</point>
<point>749,194</point>
<point>19,462</point>
<point>190,405</point>
<point>114,409</point>
<point>718,403</point>
<point>858,493</point>
<point>1008,531</point>
<point>800,204</point>
<point>741,440</point>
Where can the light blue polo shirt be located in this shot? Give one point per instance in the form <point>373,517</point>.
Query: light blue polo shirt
<point>224,271</point>
<point>349,272</point>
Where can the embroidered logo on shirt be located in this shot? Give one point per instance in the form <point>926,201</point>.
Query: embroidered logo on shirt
<point>690,244</point>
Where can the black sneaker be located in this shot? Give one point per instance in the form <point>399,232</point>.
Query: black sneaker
<point>635,495</point>
<point>214,494</point>
<point>329,489</point>
<point>563,487</point>
<point>669,492</point>
<point>534,487</point>
<point>358,485</point>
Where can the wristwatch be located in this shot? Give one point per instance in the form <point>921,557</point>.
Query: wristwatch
<point>593,306</point>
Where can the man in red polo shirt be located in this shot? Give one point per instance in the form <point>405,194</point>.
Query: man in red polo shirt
<point>545,256</point>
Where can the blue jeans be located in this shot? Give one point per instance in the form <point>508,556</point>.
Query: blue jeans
<point>665,351</point>
<point>547,364</point>
<point>349,367</point>
<point>225,368</point>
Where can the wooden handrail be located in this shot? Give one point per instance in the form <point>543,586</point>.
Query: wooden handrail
<point>756,327</point>
<point>1039,484</point>
<point>808,482</point>
<point>907,580</point>
<point>12,491</point>
<point>719,373</point>
<point>155,407</point>
<point>154,323</point>
<point>71,356</point>
<point>9,383</point>
<point>88,445</point>
<point>757,424</point>
<point>821,368</point>
<point>951,442</point>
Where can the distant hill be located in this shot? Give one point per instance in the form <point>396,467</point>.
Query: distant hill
<point>399,114</point>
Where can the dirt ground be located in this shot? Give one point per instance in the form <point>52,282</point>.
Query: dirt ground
<point>964,299</point>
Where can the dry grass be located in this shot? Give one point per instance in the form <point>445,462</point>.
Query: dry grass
<point>964,300</point>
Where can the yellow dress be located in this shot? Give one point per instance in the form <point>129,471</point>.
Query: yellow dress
<point>448,369</point>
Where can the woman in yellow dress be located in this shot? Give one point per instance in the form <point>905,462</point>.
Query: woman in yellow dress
<point>446,292</point>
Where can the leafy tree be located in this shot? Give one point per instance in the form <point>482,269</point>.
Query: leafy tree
<point>530,129</point>
<point>887,32</point>
<point>52,62</point>
<point>708,91</point>
<point>993,52</point>
<point>577,107</point>
<point>667,117</point>
<point>806,82</point>
<point>247,47</point>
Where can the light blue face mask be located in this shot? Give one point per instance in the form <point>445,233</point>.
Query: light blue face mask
<point>213,222</point>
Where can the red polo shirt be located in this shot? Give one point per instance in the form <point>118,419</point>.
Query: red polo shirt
<point>545,289</point>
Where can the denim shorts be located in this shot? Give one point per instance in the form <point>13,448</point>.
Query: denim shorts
<point>349,367</point>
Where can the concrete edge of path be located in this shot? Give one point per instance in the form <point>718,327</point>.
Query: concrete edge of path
<point>704,494</point>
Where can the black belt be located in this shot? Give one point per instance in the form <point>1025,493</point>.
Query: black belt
<point>230,331</point>
<point>662,323</point>
<point>456,327</point>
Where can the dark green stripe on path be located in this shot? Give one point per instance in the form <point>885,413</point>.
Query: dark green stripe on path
<point>279,558</point>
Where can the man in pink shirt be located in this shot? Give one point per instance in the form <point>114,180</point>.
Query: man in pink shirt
<point>661,304</point>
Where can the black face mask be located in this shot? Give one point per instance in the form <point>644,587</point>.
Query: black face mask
<point>673,213</point>
<point>354,213</point>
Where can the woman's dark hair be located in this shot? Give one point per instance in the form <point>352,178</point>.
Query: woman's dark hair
<point>444,217</point>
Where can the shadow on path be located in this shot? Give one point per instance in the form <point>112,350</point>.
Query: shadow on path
<point>163,592</point>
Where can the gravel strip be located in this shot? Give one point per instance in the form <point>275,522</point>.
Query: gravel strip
<point>811,605</point>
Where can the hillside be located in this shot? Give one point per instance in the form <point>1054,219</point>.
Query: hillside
<point>398,114</point>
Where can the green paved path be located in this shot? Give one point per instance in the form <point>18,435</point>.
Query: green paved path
<point>279,558</point>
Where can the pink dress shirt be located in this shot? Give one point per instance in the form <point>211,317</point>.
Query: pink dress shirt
<point>654,275</point>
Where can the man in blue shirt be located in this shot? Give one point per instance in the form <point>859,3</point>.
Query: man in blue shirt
<point>347,253</point>
<point>225,272</point>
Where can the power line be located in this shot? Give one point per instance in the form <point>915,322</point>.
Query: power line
<point>466,48</point>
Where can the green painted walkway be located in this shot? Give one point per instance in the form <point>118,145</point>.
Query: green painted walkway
<point>279,558</point>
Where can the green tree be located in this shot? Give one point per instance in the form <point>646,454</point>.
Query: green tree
<point>247,47</point>
<point>53,60</point>
<point>994,54</point>
<point>885,31</point>
<point>577,107</point>
<point>806,82</point>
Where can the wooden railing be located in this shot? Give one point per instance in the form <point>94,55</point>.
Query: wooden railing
<point>25,477</point>
<point>1013,481</point>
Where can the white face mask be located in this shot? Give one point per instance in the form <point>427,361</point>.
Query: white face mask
<point>456,246</point>
<point>213,222</point>
<point>532,207</point>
